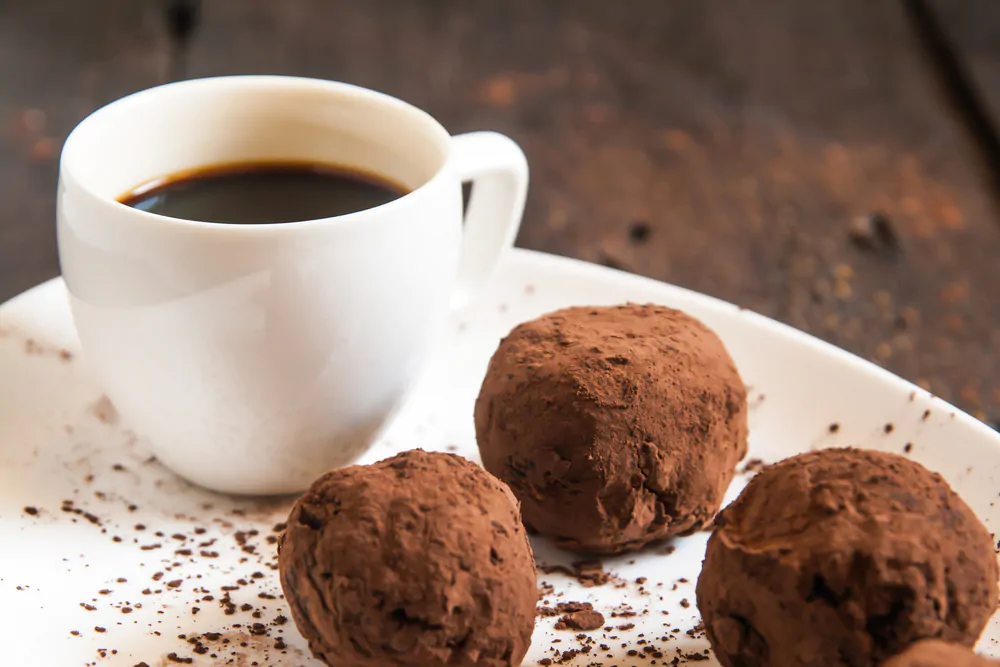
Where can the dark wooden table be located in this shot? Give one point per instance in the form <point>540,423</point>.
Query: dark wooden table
<point>833,165</point>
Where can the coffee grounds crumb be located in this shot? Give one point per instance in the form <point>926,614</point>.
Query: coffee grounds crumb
<point>173,657</point>
<point>31,511</point>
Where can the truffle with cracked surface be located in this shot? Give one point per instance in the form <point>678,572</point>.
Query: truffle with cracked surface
<point>844,557</point>
<point>420,559</point>
<point>614,426</point>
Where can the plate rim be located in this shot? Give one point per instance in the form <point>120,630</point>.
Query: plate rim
<point>807,340</point>
<point>522,267</point>
<point>813,343</point>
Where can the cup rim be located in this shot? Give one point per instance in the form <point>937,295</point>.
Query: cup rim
<point>252,80</point>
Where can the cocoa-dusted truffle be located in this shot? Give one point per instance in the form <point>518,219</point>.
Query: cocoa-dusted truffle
<point>614,426</point>
<point>844,557</point>
<point>420,559</point>
<point>936,653</point>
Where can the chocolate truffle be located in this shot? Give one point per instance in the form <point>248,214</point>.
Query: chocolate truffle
<point>844,557</point>
<point>936,653</point>
<point>420,559</point>
<point>614,426</point>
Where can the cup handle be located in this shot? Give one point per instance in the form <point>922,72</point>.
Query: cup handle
<point>498,170</point>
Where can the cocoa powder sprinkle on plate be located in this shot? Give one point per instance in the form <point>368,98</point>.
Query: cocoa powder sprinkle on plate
<point>581,620</point>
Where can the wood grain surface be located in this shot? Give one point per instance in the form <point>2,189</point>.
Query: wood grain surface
<point>799,159</point>
<point>972,31</point>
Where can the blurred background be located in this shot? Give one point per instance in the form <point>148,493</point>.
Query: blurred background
<point>834,165</point>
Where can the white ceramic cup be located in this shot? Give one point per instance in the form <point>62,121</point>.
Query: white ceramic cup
<point>254,357</point>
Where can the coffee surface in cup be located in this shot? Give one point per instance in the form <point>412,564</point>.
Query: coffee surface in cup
<point>263,192</point>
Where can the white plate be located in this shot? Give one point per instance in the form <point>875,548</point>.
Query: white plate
<point>59,440</point>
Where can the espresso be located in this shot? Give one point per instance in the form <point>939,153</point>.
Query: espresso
<point>262,192</point>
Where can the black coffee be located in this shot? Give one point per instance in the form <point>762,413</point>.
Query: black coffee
<point>254,193</point>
